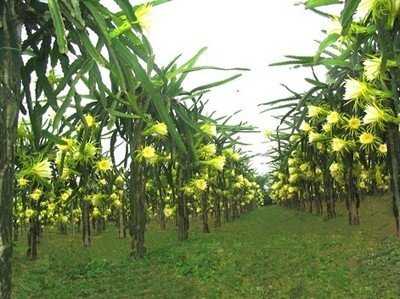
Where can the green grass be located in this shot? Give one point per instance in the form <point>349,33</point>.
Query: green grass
<point>269,253</point>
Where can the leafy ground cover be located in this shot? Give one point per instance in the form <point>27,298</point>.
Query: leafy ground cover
<point>269,253</point>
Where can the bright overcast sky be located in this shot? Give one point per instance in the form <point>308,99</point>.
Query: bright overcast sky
<point>251,34</point>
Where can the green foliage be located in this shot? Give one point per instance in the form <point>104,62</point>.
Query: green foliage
<point>317,3</point>
<point>270,253</point>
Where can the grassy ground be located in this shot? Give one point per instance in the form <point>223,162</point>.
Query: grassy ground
<point>269,253</point>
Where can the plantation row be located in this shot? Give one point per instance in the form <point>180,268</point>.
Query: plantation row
<point>340,139</point>
<point>72,185</point>
<point>94,131</point>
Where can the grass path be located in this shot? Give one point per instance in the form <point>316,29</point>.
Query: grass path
<point>269,253</point>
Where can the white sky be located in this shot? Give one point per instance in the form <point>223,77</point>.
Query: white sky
<point>252,34</point>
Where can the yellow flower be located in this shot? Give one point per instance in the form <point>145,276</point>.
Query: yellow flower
<point>338,144</point>
<point>293,178</point>
<point>22,182</point>
<point>96,213</point>
<point>333,118</point>
<point>143,13</point>
<point>36,194</point>
<point>383,149</point>
<point>217,163</point>
<point>291,162</point>
<point>51,207</point>
<point>66,173</point>
<point>367,138</point>
<point>90,120</point>
<point>355,89</point>
<point>304,167</point>
<point>104,165</point>
<point>314,137</point>
<point>66,195</point>
<point>159,129</point>
<point>209,129</point>
<point>68,146</point>
<point>208,150</point>
<point>354,123</point>
<point>314,111</point>
<point>372,68</point>
<point>29,213</point>
<point>168,211</point>
<point>117,203</point>
<point>292,170</point>
<point>200,184</point>
<point>335,169</point>
<point>327,127</point>
<point>305,127</point>
<point>375,115</point>
<point>149,153</point>
<point>42,169</point>
<point>235,156</point>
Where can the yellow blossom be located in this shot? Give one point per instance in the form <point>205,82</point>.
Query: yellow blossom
<point>149,154</point>
<point>68,145</point>
<point>159,129</point>
<point>327,127</point>
<point>217,163</point>
<point>168,211</point>
<point>90,120</point>
<point>314,137</point>
<point>355,89</point>
<point>117,203</point>
<point>314,111</point>
<point>22,182</point>
<point>354,123</point>
<point>42,169</point>
<point>208,151</point>
<point>143,15</point>
<point>335,169</point>
<point>383,149</point>
<point>333,118</point>
<point>96,213</point>
<point>104,165</point>
<point>200,184</point>
<point>29,213</point>
<point>367,138</point>
<point>209,129</point>
<point>372,68</point>
<point>338,144</point>
<point>374,115</point>
<point>36,194</point>
<point>305,127</point>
